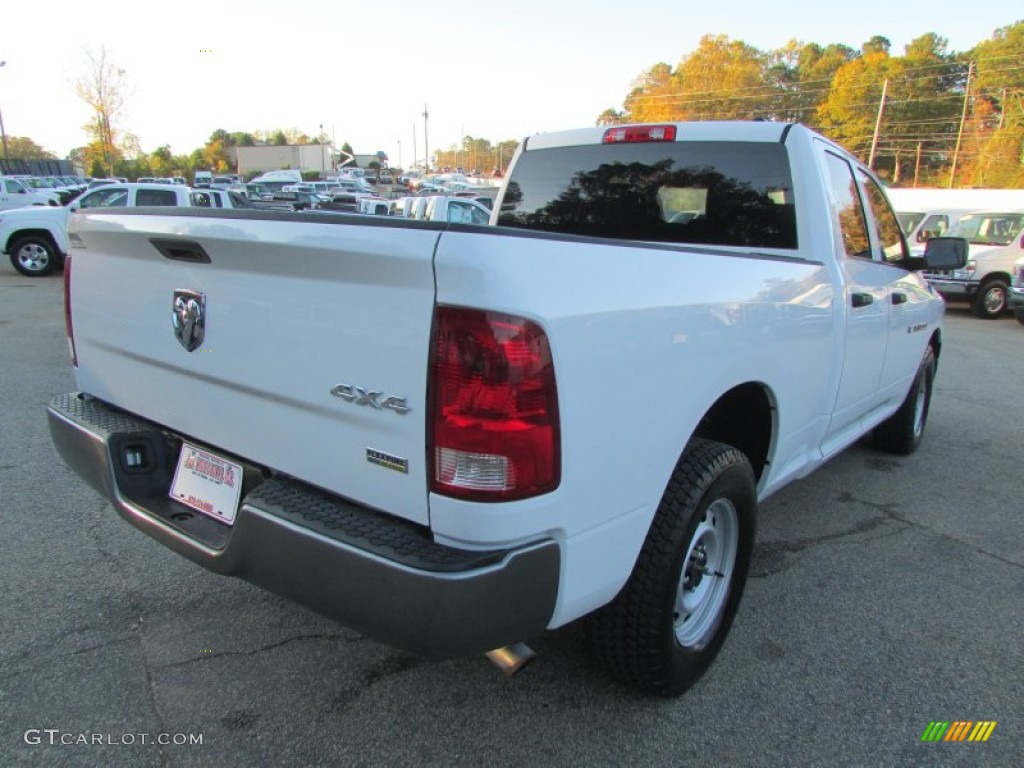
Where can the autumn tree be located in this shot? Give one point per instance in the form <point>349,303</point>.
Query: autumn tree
<point>103,87</point>
<point>653,96</point>
<point>994,134</point>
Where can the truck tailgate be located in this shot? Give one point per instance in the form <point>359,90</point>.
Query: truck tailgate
<point>316,339</point>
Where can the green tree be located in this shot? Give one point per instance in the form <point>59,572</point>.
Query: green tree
<point>921,111</point>
<point>23,148</point>
<point>161,162</point>
<point>801,74</point>
<point>848,113</point>
<point>611,117</point>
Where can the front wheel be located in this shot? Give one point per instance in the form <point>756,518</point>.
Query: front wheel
<point>33,256</point>
<point>990,300</point>
<point>902,432</point>
<point>665,627</point>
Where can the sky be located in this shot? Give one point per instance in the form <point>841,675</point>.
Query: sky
<point>365,70</point>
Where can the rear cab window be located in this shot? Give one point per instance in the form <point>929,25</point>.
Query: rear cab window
<point>156,197</point>
<point>694,192</point>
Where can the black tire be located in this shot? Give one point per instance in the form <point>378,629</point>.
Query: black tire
<point>902,432</point>
<point>1019,314</point>
<point>990,300</point>
<point>34,256</point>
<point>641,636</point>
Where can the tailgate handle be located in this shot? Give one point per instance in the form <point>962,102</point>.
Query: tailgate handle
<point>181,250</point>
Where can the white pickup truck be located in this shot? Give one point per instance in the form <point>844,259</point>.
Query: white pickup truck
<point>36,238</point>
<point>15,194</point>
<point>452,437</point>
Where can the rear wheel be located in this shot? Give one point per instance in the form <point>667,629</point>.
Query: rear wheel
<point>33,256</point>
<point>990,300</point>
<point>666,626</point>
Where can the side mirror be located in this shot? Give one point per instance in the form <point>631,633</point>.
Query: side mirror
<point>944,253</point>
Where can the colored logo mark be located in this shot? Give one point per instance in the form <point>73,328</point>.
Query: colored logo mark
<point>959,730</point>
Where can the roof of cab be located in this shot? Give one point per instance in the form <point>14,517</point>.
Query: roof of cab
<point>711,130</point>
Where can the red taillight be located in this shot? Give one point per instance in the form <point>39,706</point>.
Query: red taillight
<point>493,407</point>
<point>69,327</point>
<point>633,133</point>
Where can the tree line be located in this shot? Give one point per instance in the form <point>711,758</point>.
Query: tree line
<point>930,117</point>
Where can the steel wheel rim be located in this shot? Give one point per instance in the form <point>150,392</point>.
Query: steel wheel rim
<point>33,257</point>
<point>706,574</point>
<point>995,298</point>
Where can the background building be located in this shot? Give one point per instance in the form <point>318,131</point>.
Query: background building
<point>272,157</point>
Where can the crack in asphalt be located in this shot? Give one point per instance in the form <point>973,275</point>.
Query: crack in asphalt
<point>263,649</point>
<point>768,558</point>
<point>848,498</point>
<point>384,669</point>
<point>7,674</point>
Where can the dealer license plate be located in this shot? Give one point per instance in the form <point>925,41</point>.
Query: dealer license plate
<point>207,483</point>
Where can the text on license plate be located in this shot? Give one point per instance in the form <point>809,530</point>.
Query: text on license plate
<point>207,483</point>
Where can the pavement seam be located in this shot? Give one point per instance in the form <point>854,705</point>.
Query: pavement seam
<point>136,609</point>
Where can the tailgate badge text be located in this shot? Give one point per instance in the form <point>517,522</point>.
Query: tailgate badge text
<point>360,396</point>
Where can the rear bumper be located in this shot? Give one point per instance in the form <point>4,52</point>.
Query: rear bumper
<point>378,574</point>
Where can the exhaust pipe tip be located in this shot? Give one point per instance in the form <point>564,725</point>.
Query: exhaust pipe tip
<point>511,658</point>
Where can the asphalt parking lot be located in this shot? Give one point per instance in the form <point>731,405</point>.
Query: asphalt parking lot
<point>886,593</point>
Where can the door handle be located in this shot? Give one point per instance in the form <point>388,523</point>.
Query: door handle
<point>861,299</point>
<point>899,298</point>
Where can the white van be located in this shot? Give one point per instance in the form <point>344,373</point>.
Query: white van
<point>996,241</point>
<point>203,179</point>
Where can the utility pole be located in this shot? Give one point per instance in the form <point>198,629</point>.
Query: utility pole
<point>426,144</point>
<point>878,124</point>
<point>963,119</point>
<point>917,164</point>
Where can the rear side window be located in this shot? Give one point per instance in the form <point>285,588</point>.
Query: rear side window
<point>156,197</point>
<point>715,193</point>
<point>852,221</point>
<point>887,226</point>
<point>108,197</point>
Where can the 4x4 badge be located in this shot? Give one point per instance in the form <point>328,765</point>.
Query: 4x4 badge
<point>189,318</point>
